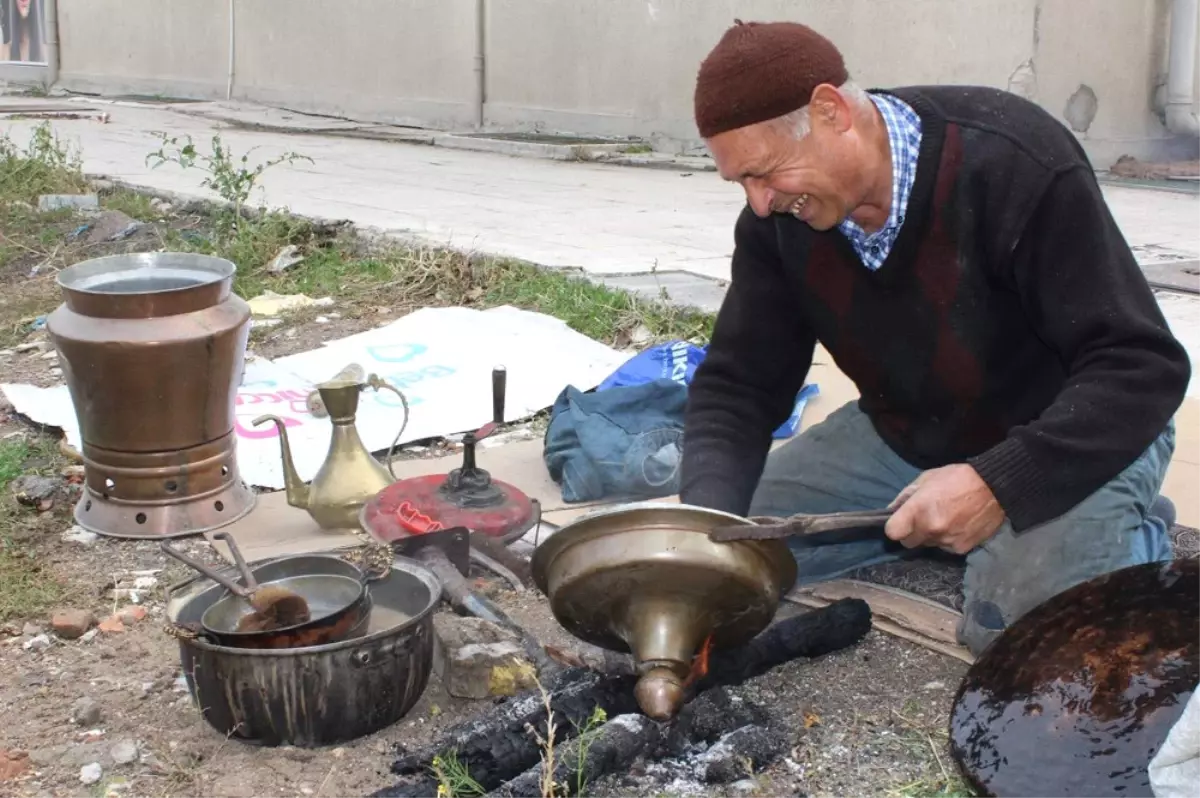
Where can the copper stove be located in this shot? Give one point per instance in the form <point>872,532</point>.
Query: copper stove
<point>153,347</point>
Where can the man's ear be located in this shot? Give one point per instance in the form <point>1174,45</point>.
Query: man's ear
<point>829,109</point>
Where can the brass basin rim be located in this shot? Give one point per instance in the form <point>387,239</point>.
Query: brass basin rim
<point>775,553</point>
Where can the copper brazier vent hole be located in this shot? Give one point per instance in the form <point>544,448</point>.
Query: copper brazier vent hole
<point>219,506</point>
<point>224,471</point>
<point>171,486</point>
<point>140,518</point>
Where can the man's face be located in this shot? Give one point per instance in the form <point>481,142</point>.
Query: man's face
<point>23,7</point>
<point>810,178</point>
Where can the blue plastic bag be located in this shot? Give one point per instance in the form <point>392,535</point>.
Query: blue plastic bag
<point>677,361</point>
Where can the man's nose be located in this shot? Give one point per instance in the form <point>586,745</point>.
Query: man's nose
<point>760,198</point>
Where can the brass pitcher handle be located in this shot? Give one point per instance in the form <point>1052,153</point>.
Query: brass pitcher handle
<point>377,382</point>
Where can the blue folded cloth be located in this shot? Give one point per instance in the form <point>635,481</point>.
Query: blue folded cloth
<point>620,443</point>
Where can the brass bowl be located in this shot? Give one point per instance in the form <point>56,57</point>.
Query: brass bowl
<point>644,578</point>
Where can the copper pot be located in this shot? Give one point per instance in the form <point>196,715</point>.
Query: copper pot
<point>152,347</point>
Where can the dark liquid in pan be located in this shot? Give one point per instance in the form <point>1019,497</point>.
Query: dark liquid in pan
<point>1077,697</point>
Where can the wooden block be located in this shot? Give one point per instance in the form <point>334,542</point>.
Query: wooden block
<point>896,612</point>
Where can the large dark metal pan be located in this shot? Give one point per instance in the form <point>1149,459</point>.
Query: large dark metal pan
<point>1077,696</point>
<point>318,695</point>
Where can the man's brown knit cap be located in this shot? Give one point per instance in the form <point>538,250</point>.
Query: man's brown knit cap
<point>760,71</point>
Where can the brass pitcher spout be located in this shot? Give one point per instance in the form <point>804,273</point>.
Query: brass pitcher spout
<point>297,491</point>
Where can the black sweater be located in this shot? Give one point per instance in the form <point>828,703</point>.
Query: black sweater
<point>1009,328</point>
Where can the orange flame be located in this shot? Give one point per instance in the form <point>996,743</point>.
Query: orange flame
<point>700,662</point>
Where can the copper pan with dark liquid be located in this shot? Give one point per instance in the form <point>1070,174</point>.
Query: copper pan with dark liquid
<point>1077,696</point>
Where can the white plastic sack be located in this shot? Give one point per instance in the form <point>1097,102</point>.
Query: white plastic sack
<point>1177,763</point>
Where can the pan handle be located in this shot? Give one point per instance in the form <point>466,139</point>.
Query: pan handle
<point>212,574</point>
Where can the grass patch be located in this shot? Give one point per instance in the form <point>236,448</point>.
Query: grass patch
<point>927,742</point>
<point>25,591</point>
<point>359,274</point>
<point>132,204</point>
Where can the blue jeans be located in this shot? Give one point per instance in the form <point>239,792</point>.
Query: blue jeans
<point>843,464</point>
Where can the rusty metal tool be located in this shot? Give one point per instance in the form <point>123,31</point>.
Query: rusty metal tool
<point>799,525</point>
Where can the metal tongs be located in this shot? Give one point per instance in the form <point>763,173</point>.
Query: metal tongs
<point>770,528</point>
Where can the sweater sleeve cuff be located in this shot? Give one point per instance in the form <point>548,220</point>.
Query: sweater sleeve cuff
<point>716,494</point>
<point>1015,480</point>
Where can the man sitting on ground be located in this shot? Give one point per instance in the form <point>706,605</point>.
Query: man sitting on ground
<point>951,249</point>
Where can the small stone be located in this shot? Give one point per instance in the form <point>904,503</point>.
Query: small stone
<point>13,765</point>
<point>90,774</point>
<point>56,372</point>
<point>180,684</point>
<point>73,472</point>
<point>112,625</point>
<point>56,202</point>
<point>31,629</point>
<point>100,184</point>
<point>934,686</point>
<point>85,712</point>
<point>321,319</point>
<point>78,534</point>
<point>36,643</point>
<point>89,635</point>
<point>28,346</point>
<point>478,659</point>
<point>131,615</point>
<point>144,583</point>
<point>91,735</point>
<point>50,354</point>
<point>124,752</point>
<point>744,787</point>
<point>32,490</point>
<point>71,624</point>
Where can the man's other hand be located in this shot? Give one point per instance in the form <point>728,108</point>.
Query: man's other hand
<point>949,507</point>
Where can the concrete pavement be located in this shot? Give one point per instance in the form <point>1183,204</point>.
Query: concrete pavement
<point>602,219</point>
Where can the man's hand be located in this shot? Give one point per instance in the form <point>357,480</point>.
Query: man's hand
<point>949,507</point>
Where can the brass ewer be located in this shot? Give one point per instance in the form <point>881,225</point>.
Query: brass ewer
<point>645,578</point>
<point>350,475</point>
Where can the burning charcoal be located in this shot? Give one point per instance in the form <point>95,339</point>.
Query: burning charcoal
<point>499,746</point>
<point>608,748</point>
<point>813,634</point>
<point>712,714</point>
<point>728,759</point>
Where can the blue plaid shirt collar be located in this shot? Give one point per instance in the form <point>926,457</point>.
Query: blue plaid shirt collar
<point>904,136</point>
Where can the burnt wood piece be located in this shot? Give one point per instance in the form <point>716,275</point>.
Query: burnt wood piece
<point>499,746</point>
<point>713,718</point>
<point>813,634</point>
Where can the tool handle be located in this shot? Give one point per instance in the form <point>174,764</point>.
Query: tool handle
<point>247,575</point>
<point>499,387</point>
<point>800,524</point>
<point>211,573</point>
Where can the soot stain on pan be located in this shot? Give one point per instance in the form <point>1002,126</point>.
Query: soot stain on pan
<point>1077,696</point>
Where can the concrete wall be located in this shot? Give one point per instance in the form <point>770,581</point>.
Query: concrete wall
<point>611,67</point>
<point>172,47</point>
